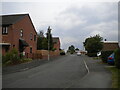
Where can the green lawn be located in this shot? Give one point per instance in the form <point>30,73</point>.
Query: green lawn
<point>115,77</point>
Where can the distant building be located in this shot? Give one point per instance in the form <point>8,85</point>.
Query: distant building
<point>18,32</point>
<point>110,45</point>
<point>56,42</point>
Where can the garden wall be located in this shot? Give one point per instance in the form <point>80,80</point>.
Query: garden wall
<point>44,53</point>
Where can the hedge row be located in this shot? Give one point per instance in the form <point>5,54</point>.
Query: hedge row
<point>117,58</point>
<point>92,54</point>
<point>105,54</point>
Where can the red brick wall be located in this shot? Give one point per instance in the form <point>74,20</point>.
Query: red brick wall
<point>44,53</point>
<point>57,45</point>
<point>14,34</point>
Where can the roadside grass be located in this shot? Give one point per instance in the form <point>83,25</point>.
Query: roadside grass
<point>115,76</point>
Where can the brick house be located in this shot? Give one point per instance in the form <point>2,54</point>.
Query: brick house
<point>110,46</point>
<point>56,42</point>
<point>18,32</point>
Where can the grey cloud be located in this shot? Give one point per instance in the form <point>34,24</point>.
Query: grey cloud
<point>100,19</point>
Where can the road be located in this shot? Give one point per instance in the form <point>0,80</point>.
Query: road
<point>70,71</point>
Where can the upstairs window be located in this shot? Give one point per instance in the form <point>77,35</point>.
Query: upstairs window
<point>4,30</point>
<point>31,36</point>
<point>30,49</point>
<point>34,37</point>
<point>21,33</point>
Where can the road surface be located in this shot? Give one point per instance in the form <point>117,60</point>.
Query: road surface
<point>70,71</point>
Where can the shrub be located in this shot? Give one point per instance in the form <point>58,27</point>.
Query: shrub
<point>7,57</point>
<point>92,54</point>
<point>104,55</point>
<point>71,52</point>
<point>14,55</point>
<point>62,53</point>
<point>11,56</point>
<point>53,49</point>
<point>21,55</point>
<point>117,58</point>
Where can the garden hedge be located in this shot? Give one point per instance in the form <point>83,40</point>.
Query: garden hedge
<point>92,54</point>
<point>117,58</point>
<point>105,54</point>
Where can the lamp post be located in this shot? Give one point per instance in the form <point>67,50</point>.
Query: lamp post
<point>49,31</point>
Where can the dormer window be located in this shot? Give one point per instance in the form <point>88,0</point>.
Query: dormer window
<point>4,30</point>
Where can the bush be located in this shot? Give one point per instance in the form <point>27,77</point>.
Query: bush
<point>7,57</point>
<point>11,56</point>
<point>14,55</point>
<point>104,55</point>
<point>62,53</point>
<point>92,54</point>
<point>53,49</point>
<point>117,58</point>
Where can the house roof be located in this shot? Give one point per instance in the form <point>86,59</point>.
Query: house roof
<point>55,39</point>
<point>109,46</point>
<point>11,19</point>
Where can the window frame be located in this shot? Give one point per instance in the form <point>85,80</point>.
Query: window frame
<point>30,49</point>
<point>21,32</point>
<point>31,36</point>
<point>4,30</point>
<point>34,37</point>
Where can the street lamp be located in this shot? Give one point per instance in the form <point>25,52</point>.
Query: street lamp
<point>49,31</point>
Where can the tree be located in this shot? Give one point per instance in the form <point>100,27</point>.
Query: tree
<point>93,44</point>
<point>40,41</point>
<point>71,49</point>
<point>77,49</point>
<point>49,38</point>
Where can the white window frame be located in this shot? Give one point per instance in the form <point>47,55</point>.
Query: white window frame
<point>21,32</point>
<point>4,30</point>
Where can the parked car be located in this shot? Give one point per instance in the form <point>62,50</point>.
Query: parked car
<point>78,54</point>
<point>111,59</point>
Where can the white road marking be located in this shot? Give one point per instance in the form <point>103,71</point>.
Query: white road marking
<point>86,67</point>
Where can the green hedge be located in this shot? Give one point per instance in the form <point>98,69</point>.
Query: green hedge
<point>117,58</point>
<point>105,54</point>
<point>92,54</point>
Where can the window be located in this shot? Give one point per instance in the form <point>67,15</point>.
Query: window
<point>4,30</point>
<point>21,33</point>
<point>30,49</point>
<point>31,36</point>
<point>34,37</point>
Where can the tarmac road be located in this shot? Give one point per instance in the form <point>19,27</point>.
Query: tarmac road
<point>70,71</point>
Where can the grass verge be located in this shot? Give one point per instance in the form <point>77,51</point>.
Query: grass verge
<point>115,77</point>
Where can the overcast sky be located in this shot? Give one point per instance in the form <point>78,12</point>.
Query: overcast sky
<point>70,20</point>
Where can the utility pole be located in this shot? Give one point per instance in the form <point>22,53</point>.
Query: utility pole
<point>49,30</point>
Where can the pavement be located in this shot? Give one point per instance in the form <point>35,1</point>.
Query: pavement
<point>26,66</point>
<point>70,71</point>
